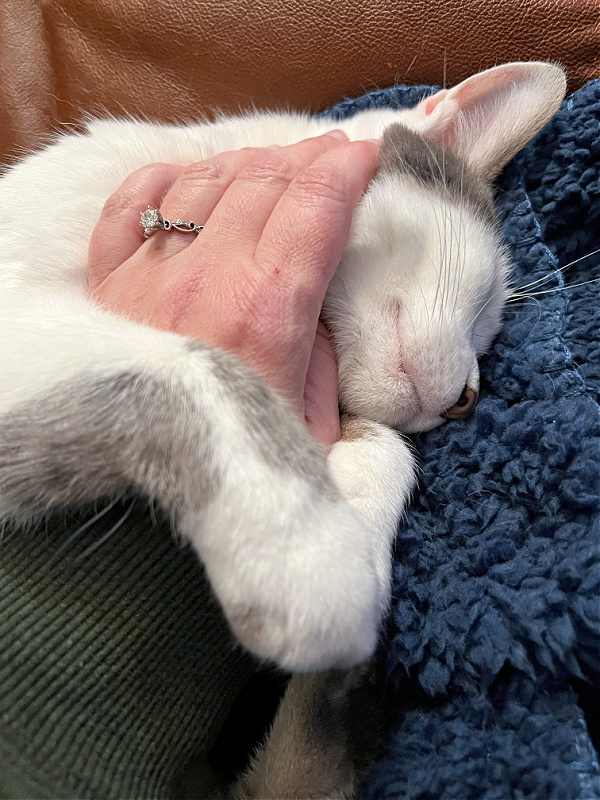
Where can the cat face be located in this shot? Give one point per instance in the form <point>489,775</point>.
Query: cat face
<point>417,298</point>
<point>420,291</point>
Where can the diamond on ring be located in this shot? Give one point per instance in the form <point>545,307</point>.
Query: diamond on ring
<point>151,220</point>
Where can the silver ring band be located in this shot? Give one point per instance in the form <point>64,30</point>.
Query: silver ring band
<point>152,220</point>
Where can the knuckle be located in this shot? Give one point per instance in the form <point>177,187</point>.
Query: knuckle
<point>267,168</point>
<point>127,198</point>
<point>203,172</point>
<point>321,183</point>
<point>365,148</point>
<point>121,203</point>
<point>253,151</point>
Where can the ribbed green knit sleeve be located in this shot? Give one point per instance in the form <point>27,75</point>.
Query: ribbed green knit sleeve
<point>116,664</point>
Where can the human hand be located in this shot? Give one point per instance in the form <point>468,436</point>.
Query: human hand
<point>276,221</point>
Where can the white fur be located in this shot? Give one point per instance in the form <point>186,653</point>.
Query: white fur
<point>418,295</point>
<point>376,475</point>
<point>409,328</point>
<point>272,543</point>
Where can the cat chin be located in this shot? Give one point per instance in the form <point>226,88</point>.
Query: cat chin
<point>402,417</point>
<point>419,425</point>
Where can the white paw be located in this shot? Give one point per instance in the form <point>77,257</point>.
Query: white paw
<point>375,470</point>
<point>307,594</point>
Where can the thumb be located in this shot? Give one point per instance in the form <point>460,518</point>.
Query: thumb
<point>321,410</point>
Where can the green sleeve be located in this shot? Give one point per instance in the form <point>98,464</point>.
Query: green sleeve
<point>116,663</point>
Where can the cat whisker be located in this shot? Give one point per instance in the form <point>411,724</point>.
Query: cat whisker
<point>99,542</point>
<point>528,295</point>
<point>97,516</point>
<point>173,527</point>
<point>483,307</point>
<point>152,511</point>
<point>581,258</point>
<point>550,275</point>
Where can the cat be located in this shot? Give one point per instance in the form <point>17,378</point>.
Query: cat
<point>93,405</point>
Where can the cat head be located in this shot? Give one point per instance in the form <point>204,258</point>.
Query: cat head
<point>421,288</point>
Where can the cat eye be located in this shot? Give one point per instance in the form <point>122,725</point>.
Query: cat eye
<point>463,406</point>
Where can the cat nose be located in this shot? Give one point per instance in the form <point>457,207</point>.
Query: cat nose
<point>463,406</point>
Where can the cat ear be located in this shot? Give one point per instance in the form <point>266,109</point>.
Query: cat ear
<point>489,117</point>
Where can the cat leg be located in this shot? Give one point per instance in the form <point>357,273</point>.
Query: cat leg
<point>327,727</point>
<point>326,733</point>
<point>306,751</point>
<point>375,470</point>
<point>328,724</point>
<point>94,406</point>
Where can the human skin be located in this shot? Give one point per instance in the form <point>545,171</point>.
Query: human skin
<point>276,221</point>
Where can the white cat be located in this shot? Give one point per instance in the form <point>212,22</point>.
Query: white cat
<point>297,549</point>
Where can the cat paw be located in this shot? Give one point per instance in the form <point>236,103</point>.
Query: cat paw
<point>291,562</point>
<point>310,600</point>
<point>375,470</point>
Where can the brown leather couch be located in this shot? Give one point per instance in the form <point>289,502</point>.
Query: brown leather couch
<point>177,60</point>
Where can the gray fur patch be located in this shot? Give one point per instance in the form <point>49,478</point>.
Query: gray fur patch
<point>95,437</point>
<point>281,439</point>
<point>405,151</point>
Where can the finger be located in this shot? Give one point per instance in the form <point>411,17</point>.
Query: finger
<point>321,410</point>
<point>303,240</point>
<point>296,257</point>
<point>237,222</point>
<point>195,194</point>
<point>118,235</point>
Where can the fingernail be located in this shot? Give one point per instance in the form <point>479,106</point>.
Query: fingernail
<point>338,134</point>
<point>274,147</point>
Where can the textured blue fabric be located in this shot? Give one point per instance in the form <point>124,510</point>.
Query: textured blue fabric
<point>495,625</point>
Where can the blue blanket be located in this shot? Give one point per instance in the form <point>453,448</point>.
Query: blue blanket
<point>494,645</point>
